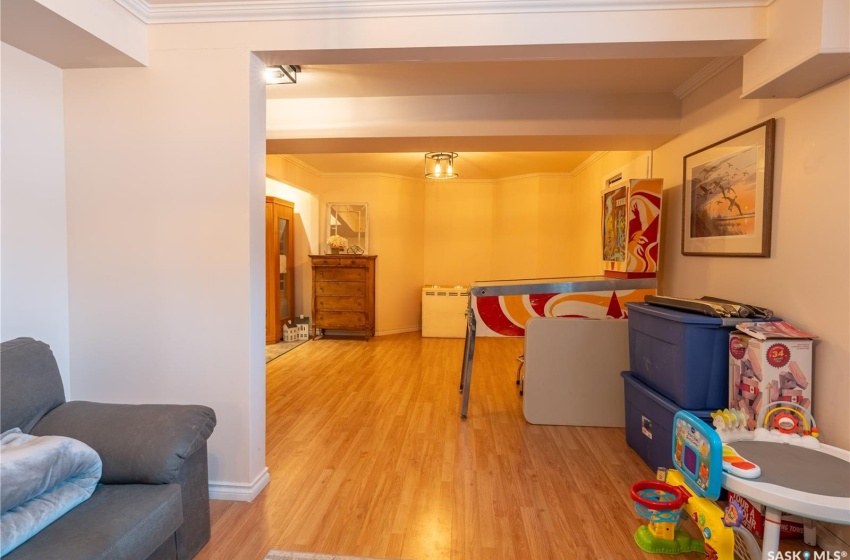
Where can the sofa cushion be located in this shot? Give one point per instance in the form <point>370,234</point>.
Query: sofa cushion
<point>104,527</point>
<point>30,384</point>
<point>138,443</point>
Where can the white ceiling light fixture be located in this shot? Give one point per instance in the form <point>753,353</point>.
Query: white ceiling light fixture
<point>440,165</point>
<point>282,74</point>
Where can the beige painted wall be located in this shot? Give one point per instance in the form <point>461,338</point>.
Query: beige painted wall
<point>395,235</point>
<point>516,236</point>
<point>807,277</point>
<point>459,235</point>
<point>34,239</point>
<point>166,242</point>
<point>457,232</point>
<point>524,227</point>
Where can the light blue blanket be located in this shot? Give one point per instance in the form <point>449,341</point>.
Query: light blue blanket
<point>42,479</point>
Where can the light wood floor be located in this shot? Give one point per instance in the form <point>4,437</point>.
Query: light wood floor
<point>368,456</point>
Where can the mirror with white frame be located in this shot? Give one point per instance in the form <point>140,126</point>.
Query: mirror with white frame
<point>347,228</point>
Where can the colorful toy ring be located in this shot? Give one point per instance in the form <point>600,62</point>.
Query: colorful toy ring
<point>656,495</point>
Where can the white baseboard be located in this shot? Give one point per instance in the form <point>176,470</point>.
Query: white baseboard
<point>829,541</point>
<point>240,491</point>
<point>332,332</point>
<point>398,331</point>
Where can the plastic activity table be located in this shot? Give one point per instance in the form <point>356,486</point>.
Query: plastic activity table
<point>811,483</point>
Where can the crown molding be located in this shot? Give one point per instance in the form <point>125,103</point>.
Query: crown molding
<point>541,175</point>
<point>268,10</point>
<point>594,157</point>
<point>293,160</point>
<point>707,72</point>
<point>139,8</point>
<point>458,181</point>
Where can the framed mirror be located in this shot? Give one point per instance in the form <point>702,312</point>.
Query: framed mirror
<point>347,228</point>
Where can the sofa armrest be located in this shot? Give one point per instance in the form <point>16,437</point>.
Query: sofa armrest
<point>141,444</point>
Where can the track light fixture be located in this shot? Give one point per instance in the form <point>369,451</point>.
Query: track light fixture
<point>282,74</point>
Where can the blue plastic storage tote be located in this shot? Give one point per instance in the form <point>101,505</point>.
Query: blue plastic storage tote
<point>684,356</point>
<point>649,422</point>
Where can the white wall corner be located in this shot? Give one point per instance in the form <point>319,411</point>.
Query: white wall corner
<point>257,267</point>
<point>836,32</point>
<point>805,50</point>
<point>108,22</point>
<point>240,491</point>
<point>34,293</point>
<point>78,34</point>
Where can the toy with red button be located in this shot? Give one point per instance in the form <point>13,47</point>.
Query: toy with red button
<point>787,422</point>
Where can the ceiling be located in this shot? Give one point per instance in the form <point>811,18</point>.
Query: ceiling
<point>507,111</point>
<point>478,161</point>
<point>490,77</point>
<point>468,165</point>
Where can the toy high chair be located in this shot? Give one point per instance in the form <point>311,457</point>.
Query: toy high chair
<point>692,489</point>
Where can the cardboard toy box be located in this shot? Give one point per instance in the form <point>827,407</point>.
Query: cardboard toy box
<point>790,527</point>
<point>773,367</point>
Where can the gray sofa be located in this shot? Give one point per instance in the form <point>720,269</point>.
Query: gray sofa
<point>153,499</point>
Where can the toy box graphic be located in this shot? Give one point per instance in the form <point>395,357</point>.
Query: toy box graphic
<point>770,362</point>
<point>791,526</point>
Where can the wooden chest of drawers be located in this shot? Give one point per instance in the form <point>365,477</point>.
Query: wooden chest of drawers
<point>344,293</point>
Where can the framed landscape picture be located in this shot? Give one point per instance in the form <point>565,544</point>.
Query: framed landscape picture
<point>727,195</point>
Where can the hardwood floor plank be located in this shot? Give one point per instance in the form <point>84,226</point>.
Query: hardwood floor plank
<point>368,456</point>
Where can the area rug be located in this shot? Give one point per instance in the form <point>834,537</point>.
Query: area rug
<point>284,555</point>
<point>277,350</point>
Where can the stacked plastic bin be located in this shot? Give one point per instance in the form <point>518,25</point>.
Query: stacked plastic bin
<point>678,361</point>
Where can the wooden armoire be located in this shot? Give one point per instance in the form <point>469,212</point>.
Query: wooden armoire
<point>280,276</point>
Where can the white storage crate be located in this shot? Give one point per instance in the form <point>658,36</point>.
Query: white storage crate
<point>444,311</point>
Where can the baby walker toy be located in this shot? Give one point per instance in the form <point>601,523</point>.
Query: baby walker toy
<point>700,455</point>
<point>690,489</point>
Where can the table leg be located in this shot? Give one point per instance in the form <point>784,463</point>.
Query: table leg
<point>468,355</point>
<point>770,543</point>
<point>465,353</point>
<point>810,532</point>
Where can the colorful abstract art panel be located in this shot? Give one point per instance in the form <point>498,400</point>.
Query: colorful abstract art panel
<point>639,215</point>
<point>507,315</point>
